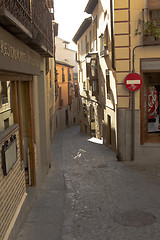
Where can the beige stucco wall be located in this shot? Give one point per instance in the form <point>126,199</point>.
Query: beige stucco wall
<point>30,63</point>
<point>73,117</point>
<point>125,41</point>
<point>65,54</point>
<point>102,105</point>
<point>124,49</point>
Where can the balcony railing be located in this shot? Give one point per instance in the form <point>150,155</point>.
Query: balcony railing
<point>104,53</point>
<point>150,28</point>
<point>30,21</point>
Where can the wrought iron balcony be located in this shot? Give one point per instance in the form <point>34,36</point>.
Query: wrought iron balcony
<point>104,53</point>
<point>150,28</point>
<point>30,21</point>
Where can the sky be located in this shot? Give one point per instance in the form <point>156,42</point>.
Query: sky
<point>69,14</point>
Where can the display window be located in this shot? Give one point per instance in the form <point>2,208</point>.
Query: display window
<point>153,108</point>
<point>150,109</point>
<point>6,105</point>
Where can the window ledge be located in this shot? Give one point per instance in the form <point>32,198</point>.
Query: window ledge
<point>151,144</point>
<point>7,132</point>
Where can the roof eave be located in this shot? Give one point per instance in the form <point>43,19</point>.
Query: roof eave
<point>85,24</point>
<point>60,62</point>
<point>91,6</point>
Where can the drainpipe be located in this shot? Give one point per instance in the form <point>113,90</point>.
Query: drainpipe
<point>133,102</point>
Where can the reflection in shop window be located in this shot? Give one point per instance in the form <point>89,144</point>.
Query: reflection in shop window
<point>6,111</point>
<point>4,92</point>
<point>153,104</point>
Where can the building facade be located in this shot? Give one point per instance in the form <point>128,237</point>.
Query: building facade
<point>121,37</point>
<point>26,44</point>
<point>137,49</point>
<point>97,81</point>
<point>66,71</point>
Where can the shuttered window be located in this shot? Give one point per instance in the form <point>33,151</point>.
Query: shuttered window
<point>154,5</point>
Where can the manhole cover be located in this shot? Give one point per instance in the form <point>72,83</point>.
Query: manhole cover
<point>135,218</point>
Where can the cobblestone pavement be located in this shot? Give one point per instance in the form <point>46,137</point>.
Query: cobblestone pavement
<point>109,200</point>
<point>103,199</point>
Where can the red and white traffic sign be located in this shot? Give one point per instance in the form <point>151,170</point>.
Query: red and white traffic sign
<point>133,81</point>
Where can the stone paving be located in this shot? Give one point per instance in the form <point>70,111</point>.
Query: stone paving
<point>89,195</point>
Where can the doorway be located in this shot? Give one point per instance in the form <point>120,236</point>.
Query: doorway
<point>27,130</point>
<point>16,107</point>
<point>66,113</point>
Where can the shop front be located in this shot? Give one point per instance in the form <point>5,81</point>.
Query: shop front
<point>150,101</point>
<point>18,67</point>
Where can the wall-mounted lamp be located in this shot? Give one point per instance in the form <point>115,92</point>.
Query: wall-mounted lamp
<point>88,58</point>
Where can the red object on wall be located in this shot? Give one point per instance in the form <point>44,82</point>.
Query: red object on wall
<point>133,81</point>
<point>152,102</point>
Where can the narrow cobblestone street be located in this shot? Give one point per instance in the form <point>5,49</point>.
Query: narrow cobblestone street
<point>89,195</point>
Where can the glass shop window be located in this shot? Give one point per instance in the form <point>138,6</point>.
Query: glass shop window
<point>4,92</point>
<point>6,100</point>
<point>152,103</point>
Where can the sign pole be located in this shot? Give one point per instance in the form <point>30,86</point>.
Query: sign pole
<point>133,115</point>
<point>133,82</point>
<point>133,125</point>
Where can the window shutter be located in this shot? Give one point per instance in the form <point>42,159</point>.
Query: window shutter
<point>154,5</point>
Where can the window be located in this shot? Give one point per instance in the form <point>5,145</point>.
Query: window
<point>63,75</point>
<point>78,55</point>
<point>6,123</point>
<point>4,92</point>
<point>95,34</point>
<point>60,98</point>
<point>108,87</point>
<point>154,11</point>
<point>92,74</point>
<point>104,43</point>
<point>56,80</point>
<point>101,43</point>
<point>6,104</point>
<point>92,113</point>
<point>81,46</point>
<point>90,40</point>
<point>47,65</point>
<point>88,70</point>
<point>87,44</point>
<point>154,5</point>
<point>151,107</point>
<point>155,15</point>
<point>152,89</point>
<point>109,130</point>
<point>94,86</point>
<point>69,75</point>
<point>70,89</point>
<point>94,70</point>
<point>106,38</point>
<point>84,110</point>
<point>50,78</point>
<point>84,86</point>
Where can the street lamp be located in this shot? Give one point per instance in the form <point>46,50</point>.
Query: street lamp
<point>88,58</point>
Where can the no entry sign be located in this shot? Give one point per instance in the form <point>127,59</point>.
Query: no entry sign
<point>133,81</point>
